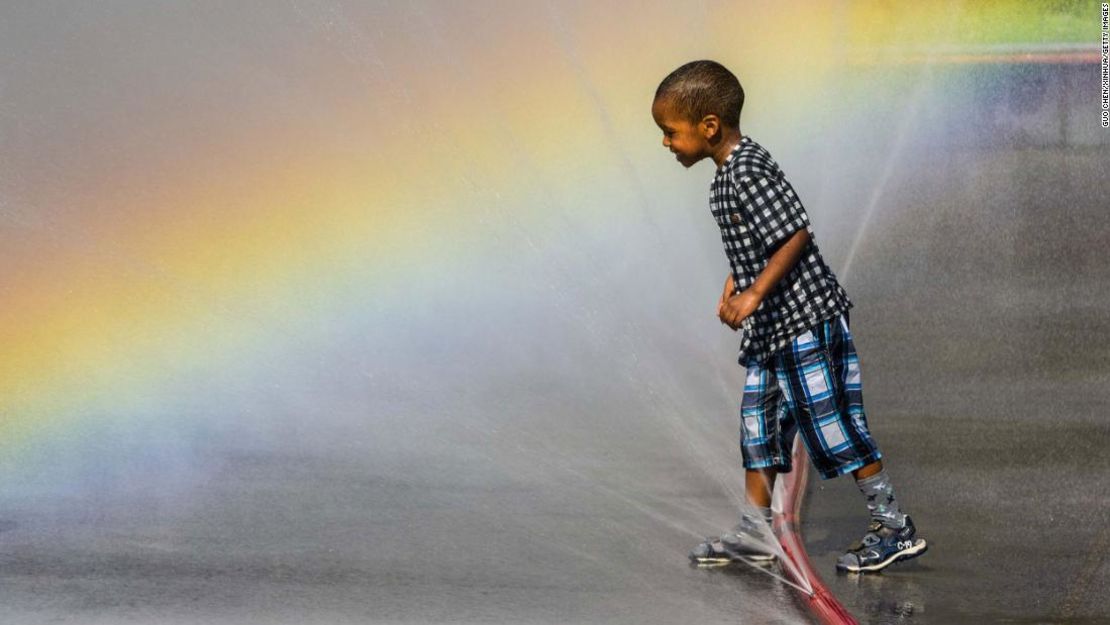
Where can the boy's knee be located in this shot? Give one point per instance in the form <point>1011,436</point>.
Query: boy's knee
<point>765,476</point>
<point>868,470</point>
<point>765,471</point>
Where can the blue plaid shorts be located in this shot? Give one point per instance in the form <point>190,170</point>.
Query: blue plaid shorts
<point>813,385</point>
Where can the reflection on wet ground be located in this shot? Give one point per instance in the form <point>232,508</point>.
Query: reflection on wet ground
<point>988,396</point>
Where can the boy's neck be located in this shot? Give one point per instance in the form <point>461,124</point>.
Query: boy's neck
<point>729,139</point>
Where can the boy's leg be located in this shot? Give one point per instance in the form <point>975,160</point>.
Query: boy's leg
<point>759,485</point>
<point>763,414</point>
<point>871,480</point>
<point>767,427</point>
<point>879,492</point>
<point>751,538</point>
<point>767,434</point>
<point>766,441</point>
<point>822,374</point>
<point>819,374</point>
<point>868,470</point>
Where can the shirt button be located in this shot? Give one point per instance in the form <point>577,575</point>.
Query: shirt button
<point>735,217</point>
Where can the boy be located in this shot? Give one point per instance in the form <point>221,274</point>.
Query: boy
<point>802,369</point>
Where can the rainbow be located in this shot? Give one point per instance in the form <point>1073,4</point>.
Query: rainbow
<point>163,231</point>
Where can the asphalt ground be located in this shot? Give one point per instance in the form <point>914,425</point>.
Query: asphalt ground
<point>564,478</point>
<point>987,386</point>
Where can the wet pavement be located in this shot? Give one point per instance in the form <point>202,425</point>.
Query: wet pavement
<point>987,383</point>
<point>540,432</point>
<point>344,536</point>
<point>548,493</point>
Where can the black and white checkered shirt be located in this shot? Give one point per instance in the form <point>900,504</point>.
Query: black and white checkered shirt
<point>757,210</point>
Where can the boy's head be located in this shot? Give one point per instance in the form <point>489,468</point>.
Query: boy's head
<point>695,106</point>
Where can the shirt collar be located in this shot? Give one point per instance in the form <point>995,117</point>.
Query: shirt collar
<point>744,140</point>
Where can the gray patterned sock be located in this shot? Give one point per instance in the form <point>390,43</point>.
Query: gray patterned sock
<point>880,500</point>
<point>762,514</point>
<point>766,512</point>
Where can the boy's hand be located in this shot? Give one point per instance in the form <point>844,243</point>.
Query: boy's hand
<point>733,310</point>
<point>739,307</point>
<point>730,286</point>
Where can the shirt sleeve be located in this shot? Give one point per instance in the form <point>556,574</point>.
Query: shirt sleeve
<point>774,211</point>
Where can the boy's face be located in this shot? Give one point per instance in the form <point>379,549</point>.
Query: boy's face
<point>689,142</point>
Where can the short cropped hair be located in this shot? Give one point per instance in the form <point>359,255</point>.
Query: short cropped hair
<point>701,88</point>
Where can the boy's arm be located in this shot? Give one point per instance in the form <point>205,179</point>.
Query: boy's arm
<point>780,223</point>
<point>780,263</point>
<point>743,304</point>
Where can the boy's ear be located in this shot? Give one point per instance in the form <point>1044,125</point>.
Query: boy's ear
<point>710,125</point>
